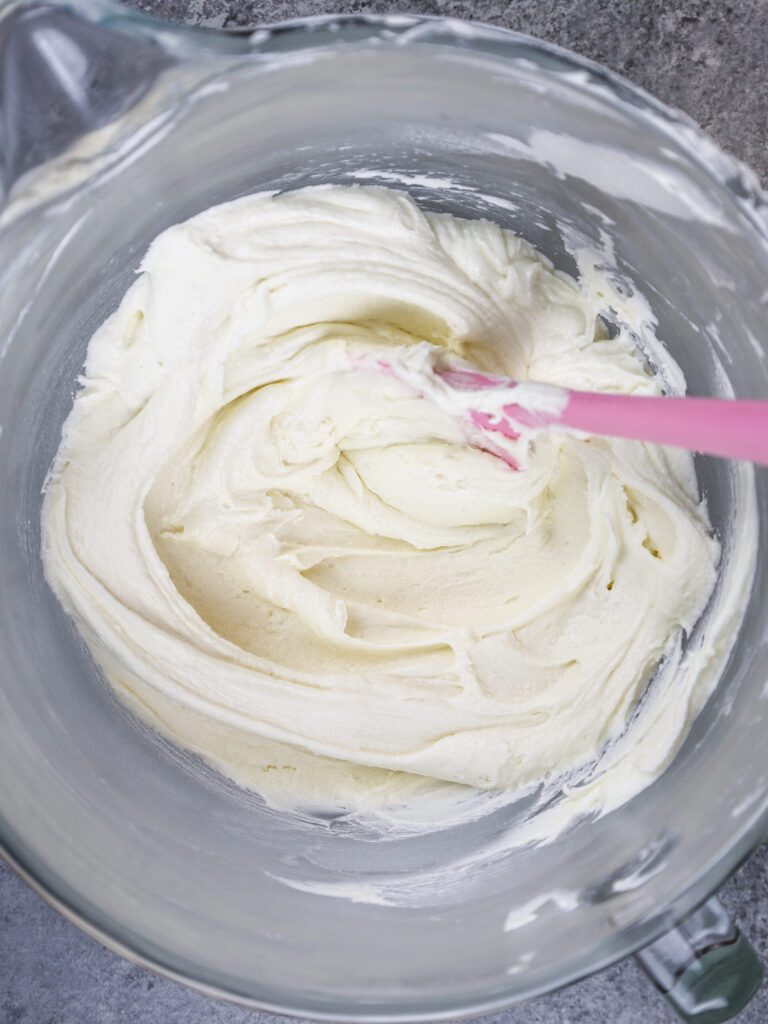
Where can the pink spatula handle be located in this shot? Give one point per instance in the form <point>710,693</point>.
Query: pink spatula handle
<point>716,426</point>
<point>733,428</point>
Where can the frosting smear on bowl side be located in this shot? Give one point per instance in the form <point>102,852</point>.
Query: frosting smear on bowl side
<point>298,568</point>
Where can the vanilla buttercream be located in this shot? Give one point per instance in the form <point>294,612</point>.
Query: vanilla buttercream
<point>298,568</point>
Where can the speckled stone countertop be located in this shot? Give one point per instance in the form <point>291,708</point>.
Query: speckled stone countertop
<point>706,57</point>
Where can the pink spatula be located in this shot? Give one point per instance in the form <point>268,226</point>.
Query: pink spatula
<point>715,426</point>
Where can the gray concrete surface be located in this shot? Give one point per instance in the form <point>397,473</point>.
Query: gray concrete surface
<point>704,56</point>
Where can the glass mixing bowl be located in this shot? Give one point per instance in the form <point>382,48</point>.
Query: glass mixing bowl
<point>115,127</point>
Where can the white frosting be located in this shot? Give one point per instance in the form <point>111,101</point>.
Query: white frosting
<point>302,572</point>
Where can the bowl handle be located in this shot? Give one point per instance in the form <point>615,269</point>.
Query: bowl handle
<point>62,76</point>
<point>705,968</point>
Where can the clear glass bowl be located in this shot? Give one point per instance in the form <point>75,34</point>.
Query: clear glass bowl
<point>145,848</point>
